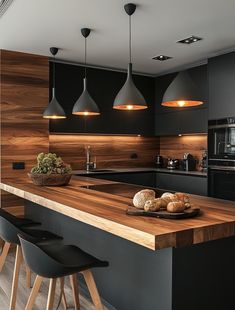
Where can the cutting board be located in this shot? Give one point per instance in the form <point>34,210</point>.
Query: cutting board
<point>188,213</point>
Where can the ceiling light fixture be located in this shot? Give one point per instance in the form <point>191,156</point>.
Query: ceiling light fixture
<point>182,92</point>
<point>190,40</point>
<point>161,57</point>
<point>54,110</point>
<point>129,97</point>
<point>85,105</point>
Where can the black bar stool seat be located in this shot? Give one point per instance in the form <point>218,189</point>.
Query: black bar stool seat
<point>10,227</point>
<point>57,261</point>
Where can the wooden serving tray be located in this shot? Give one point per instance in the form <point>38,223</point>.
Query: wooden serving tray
<point>188,213</point>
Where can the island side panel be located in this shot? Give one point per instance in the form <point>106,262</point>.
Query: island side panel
<point>137,278</point>
<point>203,276</point>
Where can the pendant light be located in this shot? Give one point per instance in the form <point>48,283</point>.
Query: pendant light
<point>182,92</point>
<point>85,105</point>
<point>54,109</point>
<point>129,97</point>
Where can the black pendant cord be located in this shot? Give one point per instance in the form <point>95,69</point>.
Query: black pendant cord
<point>85,57</point>
<point>130,51</point>
<point>53,76</point>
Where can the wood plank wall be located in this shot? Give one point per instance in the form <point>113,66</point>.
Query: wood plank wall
<point>176,146</point>
<point>24,96</point>
<point>111,151</point>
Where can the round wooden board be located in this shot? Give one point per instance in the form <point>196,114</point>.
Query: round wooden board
<point>188,213</point>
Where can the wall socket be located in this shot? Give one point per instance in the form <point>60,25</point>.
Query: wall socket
<point>18,165</point>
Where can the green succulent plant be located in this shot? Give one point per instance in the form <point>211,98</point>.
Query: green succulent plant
<point>48,163</point>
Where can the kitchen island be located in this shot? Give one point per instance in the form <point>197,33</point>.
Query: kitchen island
<point>186,264</point>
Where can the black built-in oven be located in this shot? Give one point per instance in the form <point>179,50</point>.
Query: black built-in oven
<point>221,158</point>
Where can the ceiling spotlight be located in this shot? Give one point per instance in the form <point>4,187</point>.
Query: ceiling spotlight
<point>161,57</point>
<point>190,40</point>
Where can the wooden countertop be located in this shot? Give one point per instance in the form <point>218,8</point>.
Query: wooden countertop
<point>106,211</point>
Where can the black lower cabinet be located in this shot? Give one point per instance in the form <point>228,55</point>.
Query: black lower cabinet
<point>183,183</point>
<point>222,184</point>
<point>143,178</point>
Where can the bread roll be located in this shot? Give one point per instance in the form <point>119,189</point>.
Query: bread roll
<point>142,196</point>
<point>152,205</point>
<point>166,194</point>
<point>175,206</point>
<point>183,197</point>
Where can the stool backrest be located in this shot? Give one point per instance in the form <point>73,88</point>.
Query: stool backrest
<point>8,230</point>
<point>38,260</point>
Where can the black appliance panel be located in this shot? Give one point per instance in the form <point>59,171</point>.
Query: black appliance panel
<point>221,139</point>
<point>222,183</point>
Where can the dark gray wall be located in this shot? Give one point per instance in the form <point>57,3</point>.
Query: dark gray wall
<point>221,86</point>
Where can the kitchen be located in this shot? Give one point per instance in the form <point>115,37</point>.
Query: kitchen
<point>68,96</point>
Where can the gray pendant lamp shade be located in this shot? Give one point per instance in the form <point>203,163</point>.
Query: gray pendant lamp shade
<point>129,97</point>
<point>85,105</point>
<point>54,110</point>
<point>182,92</point>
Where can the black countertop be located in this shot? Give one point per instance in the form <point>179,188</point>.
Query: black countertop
<point>139,170</point>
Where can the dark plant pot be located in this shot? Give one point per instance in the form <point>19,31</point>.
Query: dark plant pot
<point>50,179</point>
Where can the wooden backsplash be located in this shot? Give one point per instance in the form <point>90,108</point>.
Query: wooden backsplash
<point>110,151</point>
<point>175,146</point>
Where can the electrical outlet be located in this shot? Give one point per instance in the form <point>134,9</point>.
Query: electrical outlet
<point>18,165</point>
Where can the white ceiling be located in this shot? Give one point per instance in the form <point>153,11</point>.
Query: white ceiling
<point>35,25</point>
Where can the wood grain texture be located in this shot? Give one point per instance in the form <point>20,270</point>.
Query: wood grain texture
<point>110,151</point>
<point>24,133</point>
<point>24,96</point>
<point>175,146</point>
<point>106,211</point>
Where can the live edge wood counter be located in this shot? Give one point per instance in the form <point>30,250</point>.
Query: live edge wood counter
<point>106,211</point>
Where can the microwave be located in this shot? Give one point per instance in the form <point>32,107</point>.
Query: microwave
<point>221,141</point>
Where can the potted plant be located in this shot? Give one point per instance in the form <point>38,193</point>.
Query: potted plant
<point>50,171</point>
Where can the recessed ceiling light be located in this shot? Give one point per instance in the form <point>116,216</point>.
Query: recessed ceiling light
<point>190,40</point>
<point>161,57</point>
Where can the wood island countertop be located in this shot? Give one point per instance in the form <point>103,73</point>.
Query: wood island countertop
<point>106,211</point>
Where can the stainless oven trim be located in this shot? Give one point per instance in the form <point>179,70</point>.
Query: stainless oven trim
<point>222,126</point>
<point>222,159</point>
<point>225,168</point>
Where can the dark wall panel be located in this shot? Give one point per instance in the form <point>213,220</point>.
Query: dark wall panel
<point>103,86</point>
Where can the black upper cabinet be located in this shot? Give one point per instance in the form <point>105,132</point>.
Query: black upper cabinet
<point>103,86</point>
<point>222,86</point>
<point>171,121</point>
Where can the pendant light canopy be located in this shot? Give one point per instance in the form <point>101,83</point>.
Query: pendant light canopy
<point>182,92</point>
<point>54,110</point>
<point>85,105</point>
<point>129,97</point>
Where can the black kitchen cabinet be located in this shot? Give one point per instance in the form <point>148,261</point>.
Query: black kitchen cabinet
<point>221,77</point>
<point>172,121</point>
<point>181,122</point>
<point>103,86</point>
<point>143,178</point>
<point>182,183</point>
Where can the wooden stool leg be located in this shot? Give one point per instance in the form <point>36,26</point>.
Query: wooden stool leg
<point>92,289</point>
<point>51,294</point>
<point>63,294</point>
<point>34,293</point>
<point>28,277</point>
<point>18,262</point>
<point>4,253</point>
<point>74,285</point>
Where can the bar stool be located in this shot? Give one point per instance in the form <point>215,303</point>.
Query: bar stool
<point>57,261</point>
<point>10,227</point>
